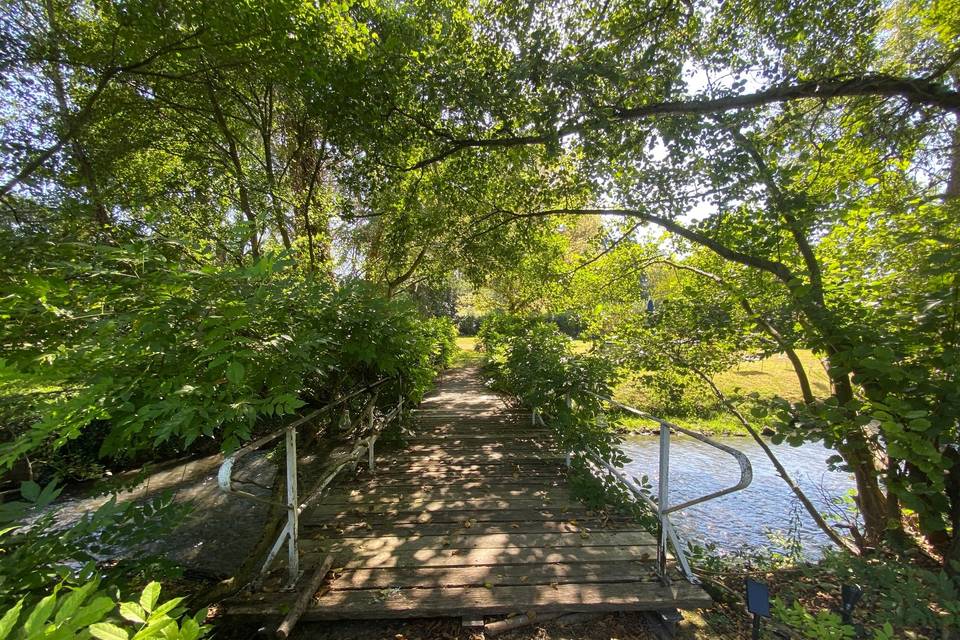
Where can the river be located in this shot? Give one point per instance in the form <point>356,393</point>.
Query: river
<point>744,518</point>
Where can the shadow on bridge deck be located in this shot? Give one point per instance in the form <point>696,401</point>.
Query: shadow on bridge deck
<point>473,518</point>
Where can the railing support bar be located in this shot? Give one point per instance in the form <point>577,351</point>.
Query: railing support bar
<point>274,550</point>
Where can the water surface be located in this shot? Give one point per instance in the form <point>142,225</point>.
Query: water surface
<point>745,517</point>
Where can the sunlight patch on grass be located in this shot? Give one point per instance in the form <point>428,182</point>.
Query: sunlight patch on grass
<point>467,343</point>
<point>718,425</point>
<point>775,377</point>
<point>467,353</point>
<point>581,346</point>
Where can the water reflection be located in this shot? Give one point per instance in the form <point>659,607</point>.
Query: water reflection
<point>745,517</point>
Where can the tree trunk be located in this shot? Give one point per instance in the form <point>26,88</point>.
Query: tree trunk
<point>266,134</point>
<point>80,157</point>
<point>781,470</point>
<point>234,156</point>
<point>855,449</point>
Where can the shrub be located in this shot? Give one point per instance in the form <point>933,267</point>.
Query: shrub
<point>442,333</point>
<point>52,586</point>
<point>158,352</point>
<point>468,325</point>
<point>534,362</point>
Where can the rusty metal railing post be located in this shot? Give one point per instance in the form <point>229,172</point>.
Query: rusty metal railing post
<point>663,498</point>
<point>293,501</point>
<point>373,439</point>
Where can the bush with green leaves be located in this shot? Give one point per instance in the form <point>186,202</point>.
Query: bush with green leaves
<point>89,611</point>
<point>146,349</point>
<point>534,362</point>
<point>54,584</point>
<point>497,329</point>
<point>442,332</point>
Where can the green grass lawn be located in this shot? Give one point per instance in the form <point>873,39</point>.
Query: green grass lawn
<point>467,343</point>
<point>774,376</point>
<point>468,353</point>
<point>770,377</point>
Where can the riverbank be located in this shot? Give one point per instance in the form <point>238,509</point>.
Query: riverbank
<point>718,425</point>
<point>771,377</point>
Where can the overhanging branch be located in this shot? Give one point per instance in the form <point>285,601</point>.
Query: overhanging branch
<point>919,91</point>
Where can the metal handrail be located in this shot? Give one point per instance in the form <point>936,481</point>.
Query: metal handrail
<point>224,476</point>
<point>291,530</point>
<point>661,508</point>
<point>746,469</point>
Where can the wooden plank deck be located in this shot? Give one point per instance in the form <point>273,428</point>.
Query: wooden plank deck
<point>473,518</point>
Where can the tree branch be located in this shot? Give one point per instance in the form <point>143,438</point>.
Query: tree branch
<point>778,269</point>
<point>918,91</point>
<point>805,390</point>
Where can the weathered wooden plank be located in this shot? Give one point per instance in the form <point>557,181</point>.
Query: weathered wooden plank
<point>385,527</point>
<point>579,512</point>
<point>395,495</point>
<point>437,469</point>
<point>417,481</point>
<point>530,448</point>
<point>521,458</point>
<point>506,555</point>
<point>479,435</point>
<point>361,604</point>
<point>495,576</point>
<point>466,539</point>
<point>465,467</point>
<point>466,504</point>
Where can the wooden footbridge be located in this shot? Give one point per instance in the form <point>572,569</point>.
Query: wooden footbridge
<point>472,518</point>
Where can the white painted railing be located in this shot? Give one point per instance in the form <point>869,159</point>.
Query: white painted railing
<point>293,505</point>
<point>661,507</point>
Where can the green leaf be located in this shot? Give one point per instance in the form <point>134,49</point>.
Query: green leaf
<point>150,595</point>
<point>70,604</point>
<point>92,612</point>
<point>155,628</point>
<point>30,490</point>
<point>108,631</point>
<point>9,619</point>
<point>235,372</point>
<point>38,617</point>
<point>167,606</point>
<point>49,494</point>
<point>133,612</point>
<point>190,630</point>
